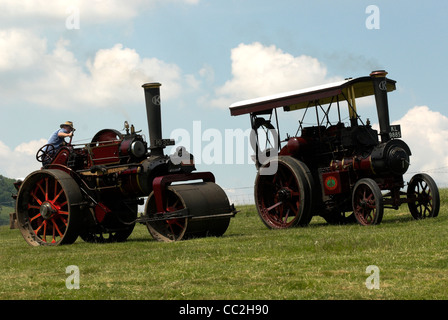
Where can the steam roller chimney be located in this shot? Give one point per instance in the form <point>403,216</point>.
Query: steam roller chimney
<point>382,107</point>
<point>153,114</point>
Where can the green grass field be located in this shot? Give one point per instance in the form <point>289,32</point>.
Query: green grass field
<point>320,261</point>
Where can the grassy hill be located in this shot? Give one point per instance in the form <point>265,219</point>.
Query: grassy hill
<point>6,189</point>
<point>6,202</point>
<point>4,215</point>
<point>320,261</point>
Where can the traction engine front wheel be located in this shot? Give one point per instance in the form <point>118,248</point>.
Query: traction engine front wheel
<point>423,197</point>
<point>367,200</point>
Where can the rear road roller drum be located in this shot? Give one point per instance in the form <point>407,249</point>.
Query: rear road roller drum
<point>190,210</point>
<point>48,208</point>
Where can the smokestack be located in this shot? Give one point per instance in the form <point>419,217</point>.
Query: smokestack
<point>152,98</point>
<point>382,107</point>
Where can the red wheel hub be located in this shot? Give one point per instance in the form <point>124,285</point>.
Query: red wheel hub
<point>47,210</point>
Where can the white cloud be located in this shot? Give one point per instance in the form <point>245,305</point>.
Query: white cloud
<point>259,70</point>
<point>426,133</point>
<point>207,73</point>
<point>112,77</point>
<point>19,49</point>
<point>56,12</point>
<point>118,73</point>
<point>20,161</point>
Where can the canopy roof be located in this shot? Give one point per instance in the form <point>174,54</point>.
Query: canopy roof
<point>299,99</point>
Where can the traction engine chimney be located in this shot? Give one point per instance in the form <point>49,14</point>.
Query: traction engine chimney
<point>152,98</point>
<point>382,107</point>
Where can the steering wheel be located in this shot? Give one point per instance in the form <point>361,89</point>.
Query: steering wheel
<point>45,153</point>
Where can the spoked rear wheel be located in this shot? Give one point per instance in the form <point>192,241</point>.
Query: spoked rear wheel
<point>423,197</point>
<point>367,200</point>
<point>284,197</point>
<point>117,226</point>
<point>48,208</point>
<point>107,236</point>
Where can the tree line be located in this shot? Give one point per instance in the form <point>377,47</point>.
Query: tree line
<point>6,190</point>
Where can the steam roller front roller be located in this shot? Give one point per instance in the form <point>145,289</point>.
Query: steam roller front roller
<point>189,211</point>
<point>48,208</point>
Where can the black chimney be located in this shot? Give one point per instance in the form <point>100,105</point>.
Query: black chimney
<point>152,98</point>
<point>382,107</point>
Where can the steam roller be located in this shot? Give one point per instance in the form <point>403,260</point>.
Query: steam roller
<point>93,190</point>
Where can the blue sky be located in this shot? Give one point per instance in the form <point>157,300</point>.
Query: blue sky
<point>207,55</point>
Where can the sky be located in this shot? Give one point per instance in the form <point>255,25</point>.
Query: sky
<point>86,60</point>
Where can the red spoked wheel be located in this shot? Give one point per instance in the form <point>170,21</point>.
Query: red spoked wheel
<point>367,201</point>
<point>48,208</point>
<point>423,197</point>
<point>170,229</point>
<point>117,226</point>
<point>284,196</point>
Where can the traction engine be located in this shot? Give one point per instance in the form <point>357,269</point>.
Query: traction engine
<point>94,190</point>
<point>341,170</point>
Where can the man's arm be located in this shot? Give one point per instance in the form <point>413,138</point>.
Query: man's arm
<point>64,134</point>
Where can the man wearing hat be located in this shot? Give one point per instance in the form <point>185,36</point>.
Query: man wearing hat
<point>57,138</point>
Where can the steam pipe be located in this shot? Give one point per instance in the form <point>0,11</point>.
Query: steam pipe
<point>153,114</point>
<point>382,107</point>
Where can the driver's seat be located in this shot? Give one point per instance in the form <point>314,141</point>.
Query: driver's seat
<point>61,157</point>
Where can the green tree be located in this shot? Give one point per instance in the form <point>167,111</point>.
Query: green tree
<point>6,190</point>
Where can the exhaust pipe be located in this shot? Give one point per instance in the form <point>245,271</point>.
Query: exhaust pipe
<point>153,114</point>
<point>382,107</point>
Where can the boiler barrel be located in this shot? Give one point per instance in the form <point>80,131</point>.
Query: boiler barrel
<point>206,209</point>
